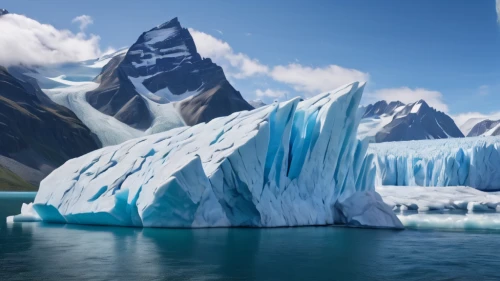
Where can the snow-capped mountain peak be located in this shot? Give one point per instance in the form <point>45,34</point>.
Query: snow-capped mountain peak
<point>162,82</point>
<point>3,12</point>
<point>382,108</point>
<point>396,121</point>
<point>419,107</point>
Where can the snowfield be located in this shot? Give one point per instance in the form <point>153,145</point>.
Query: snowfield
<point>285,164</point>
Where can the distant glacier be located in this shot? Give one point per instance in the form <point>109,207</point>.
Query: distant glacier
<point>473,162</point>
<point>285,164</point>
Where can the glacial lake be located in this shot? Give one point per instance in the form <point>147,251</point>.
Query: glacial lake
<point>38,251</point>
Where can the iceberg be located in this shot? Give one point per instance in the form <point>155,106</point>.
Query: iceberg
<point>286,164</point>
<point>473,162</point>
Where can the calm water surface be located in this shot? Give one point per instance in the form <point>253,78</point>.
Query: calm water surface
<point>36,251</point>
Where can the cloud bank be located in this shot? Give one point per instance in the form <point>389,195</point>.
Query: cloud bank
<point>304,79</point>
<point>237,65</point>
<point>27,41</point>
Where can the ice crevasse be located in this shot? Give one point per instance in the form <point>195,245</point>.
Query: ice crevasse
<point>286,164</point>
<point>471,162</point>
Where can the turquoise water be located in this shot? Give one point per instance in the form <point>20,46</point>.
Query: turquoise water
<point>37,251</point>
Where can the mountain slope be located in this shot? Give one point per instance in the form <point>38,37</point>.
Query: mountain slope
<point>469,124</point>
<point>157,84</point>
<point>395,121</point>
<point>485,128</point>
<point>163,67</point>
<point>35,133</point>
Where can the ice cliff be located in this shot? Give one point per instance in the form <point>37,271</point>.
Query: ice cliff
<point>285,164</point>
<point>471,162</point>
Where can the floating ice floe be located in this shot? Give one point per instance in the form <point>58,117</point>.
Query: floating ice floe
<point>449,198</point>
<point>285,164</point>
<point>449,207</point>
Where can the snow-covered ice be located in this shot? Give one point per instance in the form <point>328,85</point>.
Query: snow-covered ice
<point>450,207</point>
<point>366,209</point>
<point>285,164</point>
<point>471,162</point>
<point>474,221</point>
<point>430,199</point>
<point>28,214</point>
<point>108,129</point>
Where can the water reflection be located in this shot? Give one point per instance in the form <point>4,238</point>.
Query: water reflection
<point>103,253</point>
<point>38,251</point>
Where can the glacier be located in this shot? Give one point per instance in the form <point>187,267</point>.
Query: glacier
<point>286,164</point>
<point>63,90</point>
<point>473,162</point>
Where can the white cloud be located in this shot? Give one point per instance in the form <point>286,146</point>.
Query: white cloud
<point>220,31</point>
<point>483,90</point>
<point>301,78</point>
<point>237,65</point>
<point>271,93</point>
<point>29,42</point>
<point>83,21</point>
<point>314,80</point>
<point>461,118</point>
<point>407,95</point>
<point>498,10</point>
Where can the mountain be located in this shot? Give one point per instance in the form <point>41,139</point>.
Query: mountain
<point>485,128</point>
<point>382,108</point>
<point>36,135</point>
<point>157,84</point>
<point>257,103</point>
<point>162,67</point>
<point>469,124</point>
<point>396,121</point>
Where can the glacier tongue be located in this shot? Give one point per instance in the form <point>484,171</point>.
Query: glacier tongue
<point>287,164</point>
<point>471,162</point>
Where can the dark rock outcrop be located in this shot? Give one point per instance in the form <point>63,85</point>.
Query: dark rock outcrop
<point>36,132</point>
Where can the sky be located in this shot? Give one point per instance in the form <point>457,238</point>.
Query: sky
<point>446,52</point>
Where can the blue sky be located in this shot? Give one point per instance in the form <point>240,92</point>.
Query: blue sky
<point>447,52</point>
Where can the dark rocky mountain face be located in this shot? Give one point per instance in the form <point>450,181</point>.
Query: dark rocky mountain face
<point>35,133</point>
<point>488,127</point>
<point>3,12</point>
<point>164,66</point>
<point>116,96</point>
<point>221,100</point>
<point>382,107</point>
<point>415,121</point>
